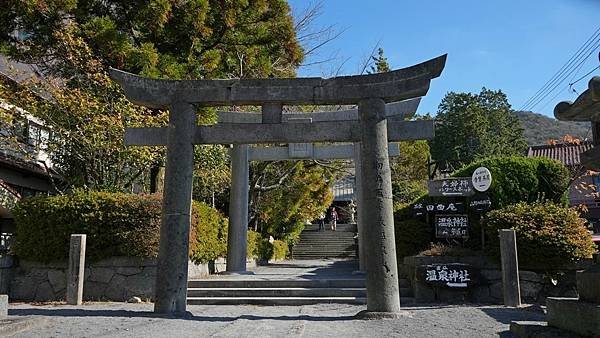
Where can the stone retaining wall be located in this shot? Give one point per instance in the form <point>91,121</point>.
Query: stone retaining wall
<point>535,286</point>
<point>116,279</point>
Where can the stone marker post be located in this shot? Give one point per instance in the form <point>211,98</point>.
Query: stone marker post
<point>383,294</point>
<point>171,274</point>
<point>510,268</point>
<point>76,269</point>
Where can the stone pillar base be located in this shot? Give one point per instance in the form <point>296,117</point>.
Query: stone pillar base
<point>373,315</point>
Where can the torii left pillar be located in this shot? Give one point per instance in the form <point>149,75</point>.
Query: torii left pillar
<point>171,272</point>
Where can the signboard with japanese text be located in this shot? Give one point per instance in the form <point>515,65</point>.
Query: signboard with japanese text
<point>481,179</point>
<point>453,186</point>
<point>480,203</point>
<point>451,226</point>
<point>452,275</point>
<point>420,209</point>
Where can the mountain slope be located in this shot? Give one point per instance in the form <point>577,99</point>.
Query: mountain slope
<point>539,128</point>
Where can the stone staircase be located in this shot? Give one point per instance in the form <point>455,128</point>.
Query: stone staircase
<point>288,283</point>
<point>315,244</point>
<point>276,292</point>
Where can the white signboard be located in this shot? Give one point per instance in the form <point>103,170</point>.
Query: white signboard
<point>482,179</point>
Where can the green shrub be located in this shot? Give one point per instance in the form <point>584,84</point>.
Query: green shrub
<point>116,224</point>
<point>548,235</point>
<point>412,236</point>
<point>211,234</point>
<point>265,249</point>
<point>253,243</point>
<point>522,179</point>
<point>280,250</point>
<point>514,179</point>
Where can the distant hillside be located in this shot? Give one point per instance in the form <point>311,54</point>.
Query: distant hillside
<point>540,128</point>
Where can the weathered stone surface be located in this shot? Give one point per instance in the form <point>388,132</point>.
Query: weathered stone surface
<point>44,292</point>
<point>116,289</point>
<point>531,276</point>
<point>573,315</point>
<point>588,284</point>
<point>128,270</point>
<point>393,86</point>
<point>94,290</point>
<point>271,133</point>
<point>23,288</point>
<point>58,279</point>
<point>481,294</point>
<point>125,261</point>
<point>140,286</point>
<point>397,110</point>
<point>76,275</point>
<point>423,293</point>
<point>530,290</point>
<point>3,306</point>
<point>496,291</point>
<point>527,329</point>
<point>101,274</point>
<point>238,210</point>
<point>491,275</point>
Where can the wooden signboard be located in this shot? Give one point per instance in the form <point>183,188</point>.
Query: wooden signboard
<point>451,226</point>
<point>420,209</point>
<point>452,186</point>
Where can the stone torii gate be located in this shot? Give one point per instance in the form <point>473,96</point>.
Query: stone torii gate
<point>373,130</point>
<point>242,154</point>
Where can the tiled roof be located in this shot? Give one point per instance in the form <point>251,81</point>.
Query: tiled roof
<point>568,154</point>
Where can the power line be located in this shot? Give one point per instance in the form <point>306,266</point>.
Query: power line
<point>575,58</point>
<point>577,62</point>
<point>583,77</point>
<point>538,101</point>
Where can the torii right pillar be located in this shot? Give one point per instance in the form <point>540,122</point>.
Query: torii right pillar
<point>383,296</point>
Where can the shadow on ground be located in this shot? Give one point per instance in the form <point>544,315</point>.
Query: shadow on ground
<point>147,314</point>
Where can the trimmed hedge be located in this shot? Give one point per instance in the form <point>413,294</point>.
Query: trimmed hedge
<point>523,179</point>
<point>548,235</point>
<point>116,224</point>
<point>261,248</point>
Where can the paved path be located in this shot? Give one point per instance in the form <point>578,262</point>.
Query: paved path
<point>301,269</point>
<point>322,320</point>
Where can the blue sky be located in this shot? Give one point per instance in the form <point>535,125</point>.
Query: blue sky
<point>511,45</point>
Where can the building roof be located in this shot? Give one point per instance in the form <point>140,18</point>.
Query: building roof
<point>568,154</point>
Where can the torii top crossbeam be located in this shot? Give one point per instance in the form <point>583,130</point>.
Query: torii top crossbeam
<point>398,85</point>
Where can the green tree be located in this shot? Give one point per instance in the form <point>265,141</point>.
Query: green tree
<point>77,40</point>
<point>472,126</point>
<point>380,63</point>
<point>285,194</point>
<point>158,38</point>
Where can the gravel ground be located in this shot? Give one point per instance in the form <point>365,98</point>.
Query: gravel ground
<point>323,320</point>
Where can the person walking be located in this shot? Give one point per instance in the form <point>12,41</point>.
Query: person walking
<point>333,217</point>
<point>322,221</point>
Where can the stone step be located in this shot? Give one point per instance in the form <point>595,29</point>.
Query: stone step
<point>311,256</point>
<point>277,292</point>
<point>277,283</point>
<point>274,300</point>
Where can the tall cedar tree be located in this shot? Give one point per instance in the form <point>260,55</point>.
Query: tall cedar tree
<point>472,126</point>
